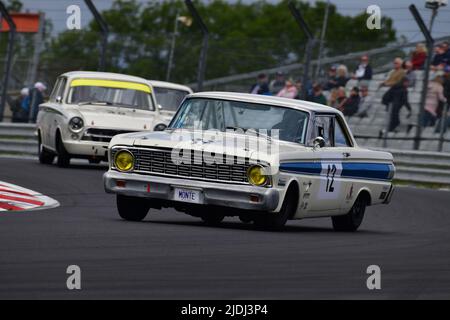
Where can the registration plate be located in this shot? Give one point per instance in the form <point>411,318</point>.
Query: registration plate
<point>187,195</point>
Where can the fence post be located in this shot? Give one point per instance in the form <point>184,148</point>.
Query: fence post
<point>104,30</point>
<point>309,46</point>
<point>9,54</point>
<point>430,42</point>
<point>204,50</point>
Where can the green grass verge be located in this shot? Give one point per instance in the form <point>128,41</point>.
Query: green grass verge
<point>428,185</point>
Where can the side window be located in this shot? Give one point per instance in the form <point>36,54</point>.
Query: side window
<point>323,128</point>
<point>54,93</point>
<point>61,88</point>
<point>340,137</point>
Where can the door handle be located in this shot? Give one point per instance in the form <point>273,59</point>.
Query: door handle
<point>346,154</point>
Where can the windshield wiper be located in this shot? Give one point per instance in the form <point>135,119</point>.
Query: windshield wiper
<point>103,103</point>
<point>257,133</point>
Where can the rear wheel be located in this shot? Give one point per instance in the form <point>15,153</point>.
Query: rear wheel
<point>212,218</point>
<point>276,221</point>
<point>353,219</point>
<point>63,160</point>
<point>132,208</point>
<point>45,157</point>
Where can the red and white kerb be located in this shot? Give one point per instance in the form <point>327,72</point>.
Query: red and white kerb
<point>15,198</point>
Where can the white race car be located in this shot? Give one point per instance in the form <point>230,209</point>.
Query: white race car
<point>86,109</point>
<point>169,96</point>
<point>264,159</point>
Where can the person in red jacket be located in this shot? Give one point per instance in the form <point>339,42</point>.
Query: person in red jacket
<point>418,56</point>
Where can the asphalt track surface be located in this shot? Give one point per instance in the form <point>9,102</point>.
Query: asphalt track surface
<point>174,256</point>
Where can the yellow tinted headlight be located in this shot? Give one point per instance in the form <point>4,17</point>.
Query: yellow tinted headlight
<point>124,160</point>
<point>257,176</point>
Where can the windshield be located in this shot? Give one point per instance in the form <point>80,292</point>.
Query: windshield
<point>210,114</point>
<point>169,99</point>
<point>110,96</point>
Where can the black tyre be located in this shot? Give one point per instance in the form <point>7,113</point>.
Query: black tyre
<point>353,219</point>
<point>95,161</point>
<point>212,218</point>
<point>276,221</point>
<point>45,156</point>
<point>245,218</point>
<point>132,208</point>
<point>63,160</point>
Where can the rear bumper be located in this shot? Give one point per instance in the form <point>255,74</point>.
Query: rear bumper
<point>389,195</point>
<point>218,194</point>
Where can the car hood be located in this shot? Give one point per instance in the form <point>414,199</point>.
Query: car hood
<point>257,148</point>
<point>117,118</point>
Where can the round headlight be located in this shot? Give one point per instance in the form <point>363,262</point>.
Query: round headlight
<point>256,175</point>
<point>76,124</point>
<point>124,160</point>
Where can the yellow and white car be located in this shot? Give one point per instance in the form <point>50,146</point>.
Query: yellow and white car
<point>86,109</point>
<point>264,159</point>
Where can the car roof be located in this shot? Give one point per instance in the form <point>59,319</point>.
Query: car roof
<point>104,75</point>
<point>263,99</point>
<point>169,85</point>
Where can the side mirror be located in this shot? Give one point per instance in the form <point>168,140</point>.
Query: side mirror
<point>160,107</point>
<point>58,99</point>
<point>318,142</point>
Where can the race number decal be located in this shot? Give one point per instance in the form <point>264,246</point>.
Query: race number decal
<point>331,171</point>
<point>330,184</point>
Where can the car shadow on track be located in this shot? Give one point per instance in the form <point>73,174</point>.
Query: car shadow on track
<point>250,227</point>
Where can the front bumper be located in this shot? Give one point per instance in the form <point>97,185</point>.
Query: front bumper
<point>87,148</point>
<point>219,194</point>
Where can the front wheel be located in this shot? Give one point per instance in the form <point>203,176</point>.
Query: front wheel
<point>276,221</point>
<point>63,160</point>
<point>45,157</point>
<point>353,219</point>
<point>132,208</point>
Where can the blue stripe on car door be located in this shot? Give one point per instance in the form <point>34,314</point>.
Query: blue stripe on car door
<point>381,171</point>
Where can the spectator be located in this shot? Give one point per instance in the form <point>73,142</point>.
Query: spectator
<point>365,103</point>
<point>410,73</point>
<point>446,106</point>
<point>36,96</point>
<point>341,76</point>
<point>289,90</point>
<point>441,57</point>
<point>299,86</point>
<point>395,75</point>
<point>261,86</point>
<point>399,98</point>
<point>317,95</point>
<point>364,70</point>
<point>331,81</point>
<point>19,108</point>
<point>337,98</point>
<point>418,56</point>
<point>277,84</point>
<point>435,95</point>
<point>349,107</point>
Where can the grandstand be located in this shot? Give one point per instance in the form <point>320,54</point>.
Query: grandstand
<point>367,130</point>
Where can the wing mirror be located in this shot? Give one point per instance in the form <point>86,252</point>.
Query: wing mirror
<point>58,99</point>
<point>318,142</point>
<point>160,107</point>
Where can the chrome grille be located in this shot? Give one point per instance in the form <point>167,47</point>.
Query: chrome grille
<point>102,135</point>
<point>159,161</point>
